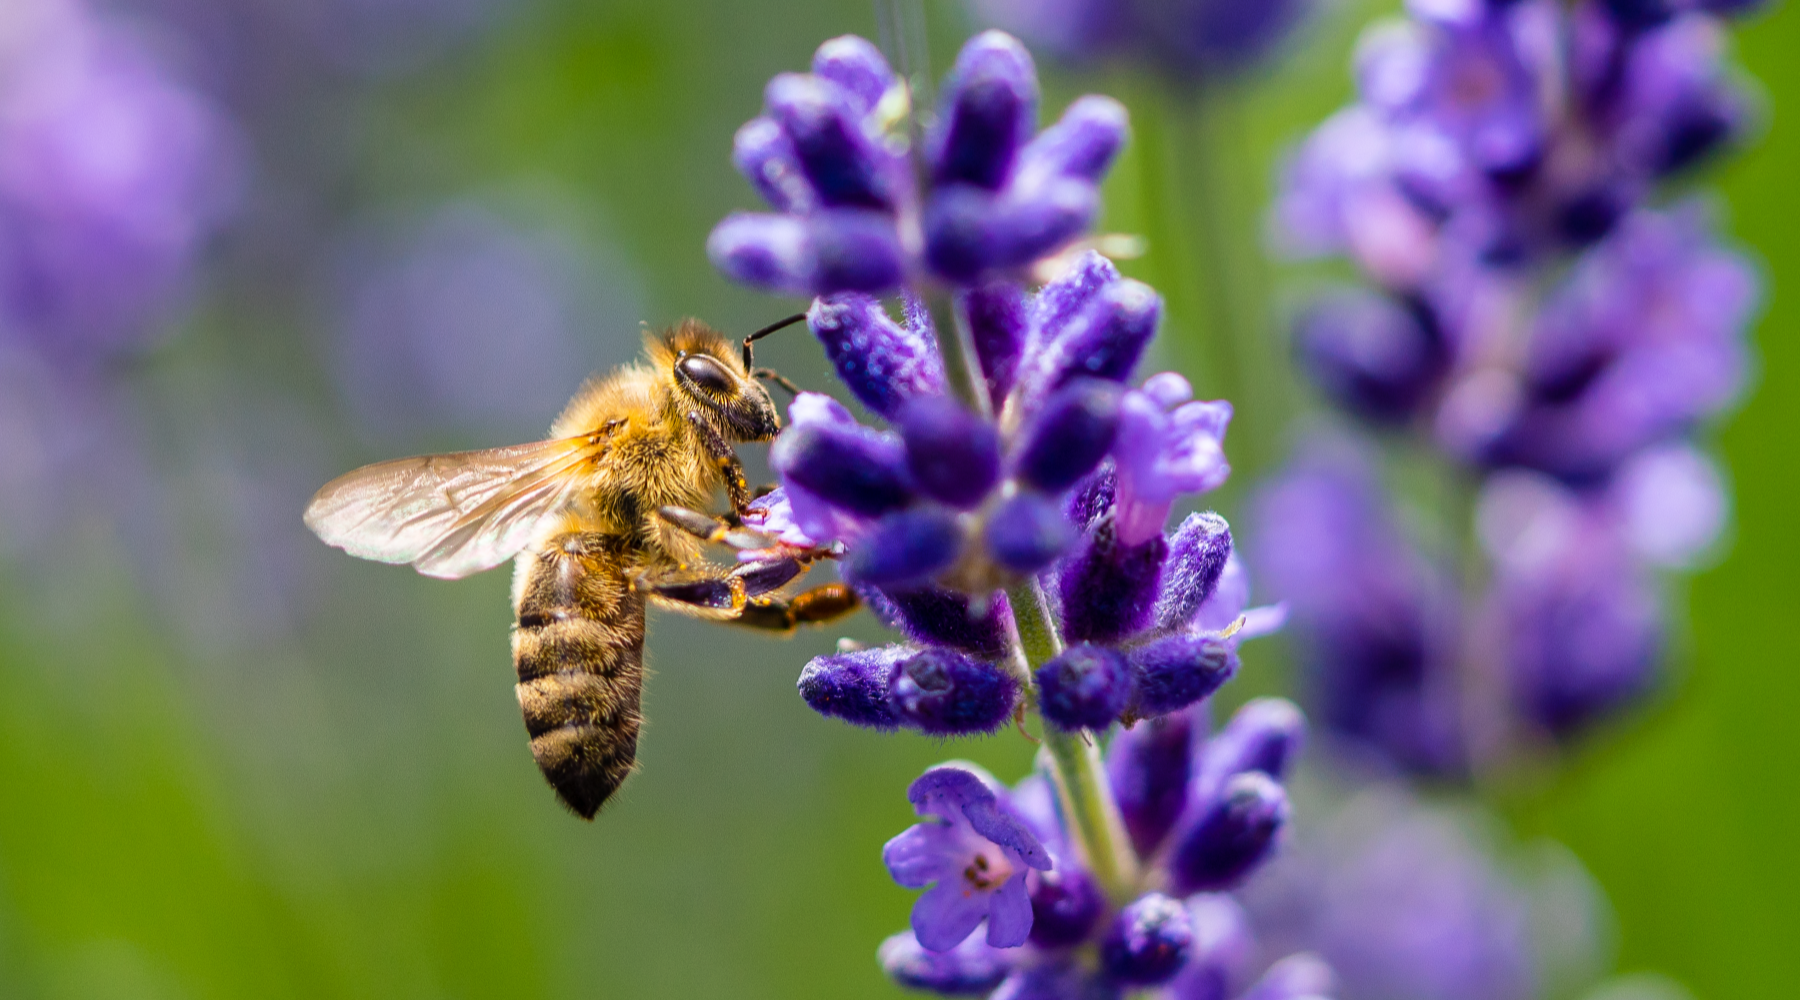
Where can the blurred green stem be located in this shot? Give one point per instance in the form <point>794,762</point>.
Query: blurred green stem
<point>1201,179</point>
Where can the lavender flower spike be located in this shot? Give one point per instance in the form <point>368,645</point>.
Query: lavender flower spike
<point>975,851</point>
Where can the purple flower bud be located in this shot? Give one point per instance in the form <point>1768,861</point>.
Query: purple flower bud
<point>1085,687</point>
<point>1198,552</point>
<point>762,153</point>
<point>856,468</point>
<point>997,316</point>
<point>1062,300</point>
<point>1092,498</point>
<point>1103,340</point>
<point>1148,942</point>
<point>1232,836</point>
<point>1175,671</point>
<point>1149,765</point>
<point>857,66</point>
<point>1222,950</point>
<point>970,231</point>
<point>905,548</point>
<point>1263,736</point>
<point>1064,905</point>
<point>947,694</point>
<point>972,968</point>
<point>1027,532</point>
<point>934,616</point>
<point>841,250</point>
<point>853,686</point>
<point>975,851</point>
<point>1081,144</point>
<point>1371,355</point>
<point>883,363</point>
<point>990,107</point>
<point>1297,977</point>
<point>1108,588</point>
<point>824,124</point>
<point>1069,436</point>
<point>953,455</point>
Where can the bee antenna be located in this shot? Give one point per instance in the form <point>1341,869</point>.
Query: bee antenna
<point>749,361</point>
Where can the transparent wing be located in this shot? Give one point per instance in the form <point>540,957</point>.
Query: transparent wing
<point>451,515</point>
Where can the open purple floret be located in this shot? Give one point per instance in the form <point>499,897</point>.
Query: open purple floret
<point>1003,859</point>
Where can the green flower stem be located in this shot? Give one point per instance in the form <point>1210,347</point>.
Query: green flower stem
<point>956,346</point>
<point>1084,792</point>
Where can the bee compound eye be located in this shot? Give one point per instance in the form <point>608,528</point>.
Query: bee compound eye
<point>705,372</point>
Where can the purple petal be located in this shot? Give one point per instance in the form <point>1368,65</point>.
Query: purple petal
<point>960,787</point>
<point>946,914</point>
<point>926,852</point>
<point>1009,915</point>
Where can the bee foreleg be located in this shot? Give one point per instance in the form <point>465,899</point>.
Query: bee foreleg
<point>737,488</point>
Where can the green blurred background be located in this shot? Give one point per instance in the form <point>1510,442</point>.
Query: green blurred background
<point>260,768</point>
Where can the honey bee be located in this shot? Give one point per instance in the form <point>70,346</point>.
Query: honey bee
<point>601,519</point>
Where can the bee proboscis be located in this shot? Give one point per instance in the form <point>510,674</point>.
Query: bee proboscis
<point>602,518</point>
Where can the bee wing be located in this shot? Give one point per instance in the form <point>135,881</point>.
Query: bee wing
<point>451,515</point>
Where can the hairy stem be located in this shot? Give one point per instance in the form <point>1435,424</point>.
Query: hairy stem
<point>1082,787</point>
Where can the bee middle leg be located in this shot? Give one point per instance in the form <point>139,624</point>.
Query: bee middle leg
<point>742,595</point>
<point>712,529</point>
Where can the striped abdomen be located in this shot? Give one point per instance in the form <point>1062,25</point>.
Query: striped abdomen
<point>579,651</point>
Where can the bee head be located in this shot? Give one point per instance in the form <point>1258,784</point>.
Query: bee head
<point>708,374</point>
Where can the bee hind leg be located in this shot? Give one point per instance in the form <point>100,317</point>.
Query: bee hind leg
<point>824,603</point>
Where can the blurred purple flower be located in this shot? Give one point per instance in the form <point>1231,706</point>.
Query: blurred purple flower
<point>113,173</point>
<point>465,319</point>
<point>1407,903</point>
<point>1377,623</point>
<point>1206,38</point>
<point>1644,340</point>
